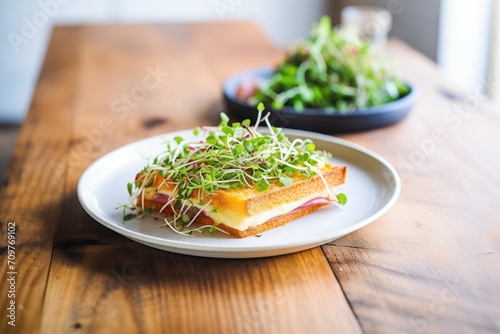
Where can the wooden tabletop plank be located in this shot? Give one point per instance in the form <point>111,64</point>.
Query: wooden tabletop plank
<point>186,294</point>
<point>101,281</point>
<point>431,264</point>
<point>33,193</point>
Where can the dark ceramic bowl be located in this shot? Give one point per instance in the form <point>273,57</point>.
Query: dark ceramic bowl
<point>318,120</point>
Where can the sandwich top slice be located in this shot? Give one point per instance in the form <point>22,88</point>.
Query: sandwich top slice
<point>235,179</point>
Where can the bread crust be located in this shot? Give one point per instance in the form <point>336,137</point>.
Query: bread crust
<point>248,202</point>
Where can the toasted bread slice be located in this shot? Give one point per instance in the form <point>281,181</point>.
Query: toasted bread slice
<point>244,211</point>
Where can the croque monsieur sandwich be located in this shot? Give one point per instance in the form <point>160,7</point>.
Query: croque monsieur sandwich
<point>235,179</point>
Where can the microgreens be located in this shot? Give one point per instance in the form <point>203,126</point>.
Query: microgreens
<point>224,157</point>
<point>331,70</point>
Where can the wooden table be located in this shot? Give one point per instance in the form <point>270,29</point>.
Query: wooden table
<point>431,264</point>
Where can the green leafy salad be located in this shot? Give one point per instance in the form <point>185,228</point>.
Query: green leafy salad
<point>222,157</point>
<point>330,70</point>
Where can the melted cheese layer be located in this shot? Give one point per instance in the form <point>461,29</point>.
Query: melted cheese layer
<point>241,222</point>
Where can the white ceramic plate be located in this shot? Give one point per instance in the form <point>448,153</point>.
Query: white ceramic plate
<point>372,187</point>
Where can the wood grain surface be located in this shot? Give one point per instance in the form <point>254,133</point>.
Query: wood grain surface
<point>429,265</point>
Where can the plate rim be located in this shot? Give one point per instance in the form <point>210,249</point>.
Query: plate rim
<point>185,247</point>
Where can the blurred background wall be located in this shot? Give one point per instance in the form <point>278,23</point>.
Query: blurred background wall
<point>413,21</point>
<point>455,33</point>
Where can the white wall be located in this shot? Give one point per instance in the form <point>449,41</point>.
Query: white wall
<point>284,21</point>
<point>494,61</point>
<point>464,41</point>
<point>414,21</point>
